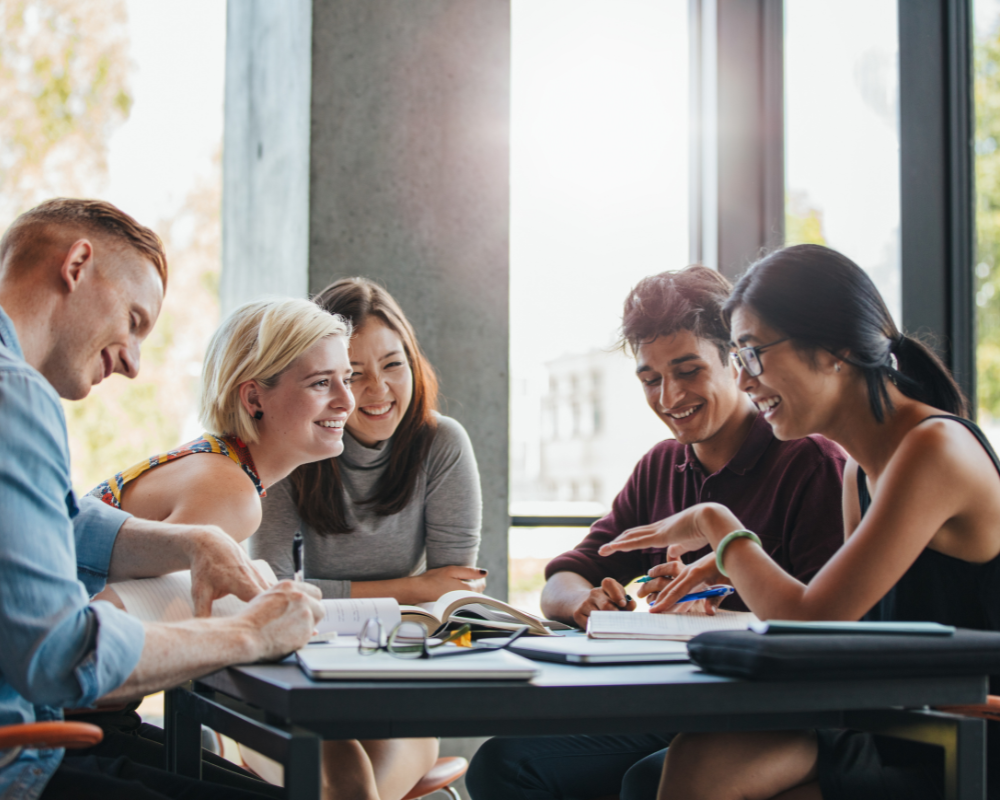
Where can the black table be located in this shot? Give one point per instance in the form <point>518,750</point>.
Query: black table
<point>278,711</point>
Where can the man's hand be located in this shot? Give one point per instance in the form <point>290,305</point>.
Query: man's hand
<point>219,566</point>
<point>282,619</point>
<point>277,622</point>
<point>674,579</point>
<point>435,582</point>
<point>609,596</point>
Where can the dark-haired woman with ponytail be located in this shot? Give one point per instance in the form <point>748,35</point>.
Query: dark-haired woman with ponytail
<point>818,352</point>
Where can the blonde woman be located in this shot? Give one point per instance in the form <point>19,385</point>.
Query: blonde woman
<point>275,395</point>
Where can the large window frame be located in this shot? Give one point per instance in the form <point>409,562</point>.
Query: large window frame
<point>737,162</point>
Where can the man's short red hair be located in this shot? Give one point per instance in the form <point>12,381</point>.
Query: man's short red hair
<point>91,216</point>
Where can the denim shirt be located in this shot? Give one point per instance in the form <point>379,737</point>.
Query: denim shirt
<point>57,650</point>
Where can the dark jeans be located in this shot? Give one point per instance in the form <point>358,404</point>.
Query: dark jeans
<point>568,767</point>
<point>131,765</point>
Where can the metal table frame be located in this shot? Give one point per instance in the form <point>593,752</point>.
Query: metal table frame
<point>278,711</point>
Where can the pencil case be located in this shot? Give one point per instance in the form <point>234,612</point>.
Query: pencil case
<point>744,654</point>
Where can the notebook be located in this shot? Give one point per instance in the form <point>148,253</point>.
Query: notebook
<point>581,650</point>
<point>676,627</point>
<point>334,663</point>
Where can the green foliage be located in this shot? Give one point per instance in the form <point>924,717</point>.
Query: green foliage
<point>803,222</point>
<point>63,91</point>
<point>987,100</point>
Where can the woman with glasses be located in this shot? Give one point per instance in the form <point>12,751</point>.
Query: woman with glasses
<point>396,515</point>
<point>819,353</point>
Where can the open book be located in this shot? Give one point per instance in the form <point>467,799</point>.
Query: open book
<point>168,599</point>
<point>676,627</point>
<point>480,610</point>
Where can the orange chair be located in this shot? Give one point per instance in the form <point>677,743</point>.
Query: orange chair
<point>990,710</point>
<point>440,778</point>
<point>71,735</point>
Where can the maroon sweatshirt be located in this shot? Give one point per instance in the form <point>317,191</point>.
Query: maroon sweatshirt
<point>788,493</point>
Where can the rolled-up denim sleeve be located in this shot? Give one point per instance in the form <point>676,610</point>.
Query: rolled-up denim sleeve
<point>95,528</point>
<point>58,649</point>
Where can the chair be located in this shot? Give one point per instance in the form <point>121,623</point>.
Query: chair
<point>440,778</point>
<point>71,735</point>
<point>990,710</point>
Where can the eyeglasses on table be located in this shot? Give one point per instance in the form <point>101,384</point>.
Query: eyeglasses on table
<point>410,640</point>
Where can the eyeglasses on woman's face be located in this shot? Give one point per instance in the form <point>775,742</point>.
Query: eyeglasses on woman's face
<point>749,357</point>
<point>410,640</point>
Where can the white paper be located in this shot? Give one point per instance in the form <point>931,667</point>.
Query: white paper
<point>621,624</point>
<point>347,617</point>
<point>168,597</point>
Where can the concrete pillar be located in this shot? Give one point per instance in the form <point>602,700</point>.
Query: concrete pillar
<point>371,137</point>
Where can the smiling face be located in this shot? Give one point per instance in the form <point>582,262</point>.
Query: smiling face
<point>382,382</point>
<point>102,323</point>
<point>689,387</point>
<point>305,411</point>
<point>798,393</point>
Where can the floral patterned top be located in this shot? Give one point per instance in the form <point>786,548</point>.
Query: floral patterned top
<point>110,491</point>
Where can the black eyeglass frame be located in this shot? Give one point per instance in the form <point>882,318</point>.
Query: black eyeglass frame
<point>739,360</point>
<point>425,648</point>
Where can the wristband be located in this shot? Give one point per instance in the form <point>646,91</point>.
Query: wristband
<point>729,537</point>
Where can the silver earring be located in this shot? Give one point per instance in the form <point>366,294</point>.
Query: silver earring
<point>837,366</point>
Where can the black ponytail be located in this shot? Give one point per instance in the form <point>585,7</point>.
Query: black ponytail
<point>922,376</point>
<point>821,299</point>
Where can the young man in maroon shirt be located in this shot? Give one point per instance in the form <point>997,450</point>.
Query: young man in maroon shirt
<point>786,492</point>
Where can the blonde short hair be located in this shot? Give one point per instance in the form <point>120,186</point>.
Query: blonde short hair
<point>258,341</point>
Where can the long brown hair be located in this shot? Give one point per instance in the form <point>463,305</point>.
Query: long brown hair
<point>318,489</point>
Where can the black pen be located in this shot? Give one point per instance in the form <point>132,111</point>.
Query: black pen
<point>297,555</point>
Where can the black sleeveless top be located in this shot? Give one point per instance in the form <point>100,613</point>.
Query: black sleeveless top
<point>945,589</point>
<point>942,588</point>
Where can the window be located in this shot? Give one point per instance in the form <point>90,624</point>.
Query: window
<point>599,160</point>
<point>987,166</point>
<point>842,133</point>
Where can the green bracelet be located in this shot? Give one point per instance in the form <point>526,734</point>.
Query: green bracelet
<point>721,549</point>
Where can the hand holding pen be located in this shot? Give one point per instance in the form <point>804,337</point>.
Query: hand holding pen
<point>711,591</point>
<point>669,584</point>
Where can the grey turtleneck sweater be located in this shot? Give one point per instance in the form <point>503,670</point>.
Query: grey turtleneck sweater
<point>439,527</point>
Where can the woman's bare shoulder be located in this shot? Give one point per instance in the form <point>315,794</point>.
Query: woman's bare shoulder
<point>201,488</point>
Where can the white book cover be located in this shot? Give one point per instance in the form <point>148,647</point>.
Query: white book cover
<point>677,627</point>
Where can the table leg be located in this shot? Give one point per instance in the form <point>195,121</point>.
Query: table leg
<point>302,766</point>
<point>183,736</point>
<point>963,740</point>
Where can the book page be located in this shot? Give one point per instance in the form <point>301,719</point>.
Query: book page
<point>168,597</point>
<point>451,602</point>
<point>348,616</point>
<point>625,625</point>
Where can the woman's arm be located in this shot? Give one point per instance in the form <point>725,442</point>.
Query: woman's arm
<point>453,510</point>
<point>937,474</point>
<point>453,503</point>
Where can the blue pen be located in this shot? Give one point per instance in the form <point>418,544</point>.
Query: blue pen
<point>715,591</point>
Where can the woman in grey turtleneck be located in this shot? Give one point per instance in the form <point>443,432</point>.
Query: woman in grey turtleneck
<point>396,515</point>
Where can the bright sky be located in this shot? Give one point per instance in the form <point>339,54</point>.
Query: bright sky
<point>178,50</point>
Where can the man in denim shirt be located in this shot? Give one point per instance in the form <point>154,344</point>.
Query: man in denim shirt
<point>81,285</point>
